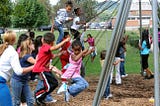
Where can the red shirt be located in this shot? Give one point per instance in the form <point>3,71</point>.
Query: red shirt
<point>43,59</point>
<point>65,48</point>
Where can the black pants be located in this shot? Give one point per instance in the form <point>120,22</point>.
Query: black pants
<point>145,61</point>
<point>50,83</point>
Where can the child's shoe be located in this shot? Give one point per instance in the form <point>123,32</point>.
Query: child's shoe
<point>62,88</point>
<point>67,96</point>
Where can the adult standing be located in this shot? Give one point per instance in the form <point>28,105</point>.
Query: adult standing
<point>9,60</point>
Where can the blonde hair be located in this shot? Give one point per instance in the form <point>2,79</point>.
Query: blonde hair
<point>25,49</point>
<point>9,38</point>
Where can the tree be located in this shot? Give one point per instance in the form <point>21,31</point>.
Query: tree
<point>87,7</point>
<point>5,13</point>
<point>29,14</point>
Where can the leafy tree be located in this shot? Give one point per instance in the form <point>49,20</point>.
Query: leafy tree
<point>29,14</point>
<point>5,13</point>
<point>87,7</point>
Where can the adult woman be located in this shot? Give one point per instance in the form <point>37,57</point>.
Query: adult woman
<point>9,60</point>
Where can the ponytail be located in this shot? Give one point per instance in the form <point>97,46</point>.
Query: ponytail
<point>3,47</point>
<point>9,38</point>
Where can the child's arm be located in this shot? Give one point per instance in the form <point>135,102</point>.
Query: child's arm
<point>52,28</point>
<point>56,70</point>
<point>77,57</point>
<point>116,62</point>
<point>88,52</point>
<point>55,47</point>
<point>58,54</point>
<point>31,60</point>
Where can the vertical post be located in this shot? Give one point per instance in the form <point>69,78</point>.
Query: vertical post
<point>110,55</point>
<point>140,18</point>
<point>140,30</point>
<point>155,51</point>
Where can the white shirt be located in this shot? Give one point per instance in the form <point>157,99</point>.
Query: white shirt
<point>9,61</point>
<point>74,25</point>
<point>62,16</point>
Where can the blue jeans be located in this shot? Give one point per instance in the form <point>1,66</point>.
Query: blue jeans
<point>122,67</point>
<point>60,30</point>
<point>78,85</point>
<point>19,87</point>
<point>5,96</point>
<point>107,90</point>
<point>40,85</point>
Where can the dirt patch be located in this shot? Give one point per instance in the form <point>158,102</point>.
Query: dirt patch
<point>135,91</point>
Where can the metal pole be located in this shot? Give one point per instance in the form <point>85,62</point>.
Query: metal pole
<point>140,30</point>
<point>120,31</point>
<point>97,97</point>
<point>155,50</point>
<point>111,52</point>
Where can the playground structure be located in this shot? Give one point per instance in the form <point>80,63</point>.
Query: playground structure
<point>116,35</point>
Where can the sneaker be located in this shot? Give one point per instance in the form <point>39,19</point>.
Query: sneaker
<point>38,102</point>
<point>52,101</point>
<point>110,95</point>
<point>23,104</point>
<point>67,96</point>
<point>62,88</point>
<point>123,76</point>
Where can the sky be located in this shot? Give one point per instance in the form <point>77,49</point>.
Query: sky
<point>54,2</point>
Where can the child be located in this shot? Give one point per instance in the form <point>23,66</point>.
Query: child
<point>43,69</point>
<point>21,38</point>
<point>76,21</point>
<point>122,56</point>
<point>38,44</point>
<point>62,17</point>
<point>144,47</point>
<point>73,71</point>
<point>9,59</point>
<point>19,83</point>
<point>107,93</point>
<point>91,43</point>
<point>116,63</point>
<point>65,56</point>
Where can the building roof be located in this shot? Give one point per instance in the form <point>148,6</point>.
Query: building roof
<point>144,6</point>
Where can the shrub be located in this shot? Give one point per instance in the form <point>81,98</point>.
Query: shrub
<point>133,39</point>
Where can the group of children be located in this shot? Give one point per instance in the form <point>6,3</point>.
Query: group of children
<point>118,64</point>
<point>33,57</point>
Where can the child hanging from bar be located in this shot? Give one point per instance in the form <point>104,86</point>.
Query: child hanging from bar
<point>91,43</point>
<point>78,83</point>
<point>61,18</point>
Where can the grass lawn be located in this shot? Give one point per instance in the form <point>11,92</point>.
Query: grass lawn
<point>102,41</point>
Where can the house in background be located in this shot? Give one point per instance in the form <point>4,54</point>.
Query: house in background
<point>133,21</point>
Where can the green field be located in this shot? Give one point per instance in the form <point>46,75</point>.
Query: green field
<point>102,41</point>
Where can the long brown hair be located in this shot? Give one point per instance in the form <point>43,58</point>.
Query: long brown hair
<point>25,49</point>
<point>9,38</point>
